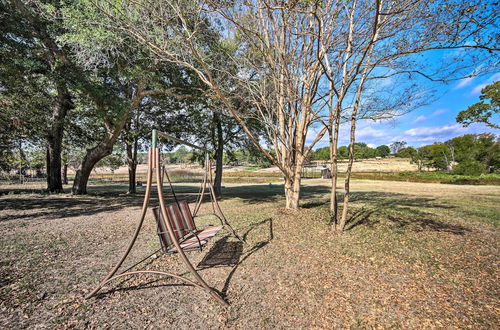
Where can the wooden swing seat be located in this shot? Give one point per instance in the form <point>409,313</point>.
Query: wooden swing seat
<point>182,223</point>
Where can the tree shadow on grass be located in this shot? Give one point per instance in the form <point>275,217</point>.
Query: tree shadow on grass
<point>313,204</point>
<point>387,198</point>
<point>98,201</point>
<point>107,198</point>
<point>404,211</point>
<point>259,193</point>
<point>60,207</point>
<point>419,224</point>
<point>386,205</point>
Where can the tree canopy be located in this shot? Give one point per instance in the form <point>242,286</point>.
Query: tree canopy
<point>485,110</point>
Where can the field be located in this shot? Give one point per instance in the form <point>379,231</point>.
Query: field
<point>416,255</point>
<point>387,169</point>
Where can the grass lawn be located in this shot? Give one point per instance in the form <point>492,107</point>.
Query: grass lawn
<point>415,255</point>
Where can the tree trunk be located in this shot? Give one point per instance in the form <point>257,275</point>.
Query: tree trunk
<point>219,154</point>
<point>92,156</point>
<point>65,174</point>
<point>54,140</point>
<point>334,141</point>
<point>334,168</point>
<point>341,224</point>
<point>292,184</point>
<point>105,147</point>
<point>292,192</point>
<point>132,166</point>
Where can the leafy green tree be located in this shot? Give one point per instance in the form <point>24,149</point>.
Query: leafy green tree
<point>436,156</point>
<point>111,162</point>
<point>37,79</point>
<point>362,151</point>
<point>483,148</point>
<point>180,155</point>
<point>484,111</point>
<point>166,114</point>
<point>120,79</point>
<point>469,167</point>
<point>383,151</point>
<point>211,127</point>
<point>321,154</point>
<point>6,141</point>
<point>406,152</point>
<point>343,152</point>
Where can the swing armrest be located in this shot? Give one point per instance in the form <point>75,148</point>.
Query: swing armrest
<point>196,235</point>
<point>205,226</point>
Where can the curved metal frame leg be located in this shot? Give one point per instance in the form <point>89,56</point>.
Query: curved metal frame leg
<point>201,194</point>
<point>137,230</point>
<point>180,252</point>
<point>154,163</point>
<point>153,272</point>
<point>215,204</point>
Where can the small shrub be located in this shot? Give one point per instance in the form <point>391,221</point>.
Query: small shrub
<point>470,167</point>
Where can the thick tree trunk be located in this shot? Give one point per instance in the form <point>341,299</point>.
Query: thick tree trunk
<point>292,184</point>
<point>54,140</point>
<point>132,166</point>
<point>92,156</point>
<point>292,192</point>
<point>105,147</point>
<point>219,154</point>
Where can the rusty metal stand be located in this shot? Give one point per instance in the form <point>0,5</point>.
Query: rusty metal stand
<point>154,162</point>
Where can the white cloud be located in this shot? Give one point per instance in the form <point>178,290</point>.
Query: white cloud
<point>371,145</point>
<point>420,119</point>
<point>477,90</point>
<point>369,132</point>
<point>436,113</point>
<point>375,134</point>
<point>424,132</point>
<point>464,82</point>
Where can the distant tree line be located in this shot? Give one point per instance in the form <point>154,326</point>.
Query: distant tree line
<point>469,154</point>
<point>361,151</point>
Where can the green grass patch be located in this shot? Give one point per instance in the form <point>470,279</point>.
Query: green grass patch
<point>428,177</point>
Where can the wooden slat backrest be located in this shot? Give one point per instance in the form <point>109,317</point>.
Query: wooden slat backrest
<point>176,221</point>
<point>180,219</point>
<point>187,216</point>
<point>165,239</point>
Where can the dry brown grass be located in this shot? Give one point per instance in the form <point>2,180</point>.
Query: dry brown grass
<point>416,255</point>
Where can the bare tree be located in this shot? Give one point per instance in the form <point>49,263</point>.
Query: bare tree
<point>287,52</point>
<point>384,39</point>
<point>273,45</point>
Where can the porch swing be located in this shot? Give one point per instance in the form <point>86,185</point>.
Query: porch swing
<point>176,227</point>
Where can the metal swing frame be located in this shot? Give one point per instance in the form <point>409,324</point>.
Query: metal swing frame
<point>155,167</point>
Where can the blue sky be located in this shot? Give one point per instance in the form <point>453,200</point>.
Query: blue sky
<point>431,123</point>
